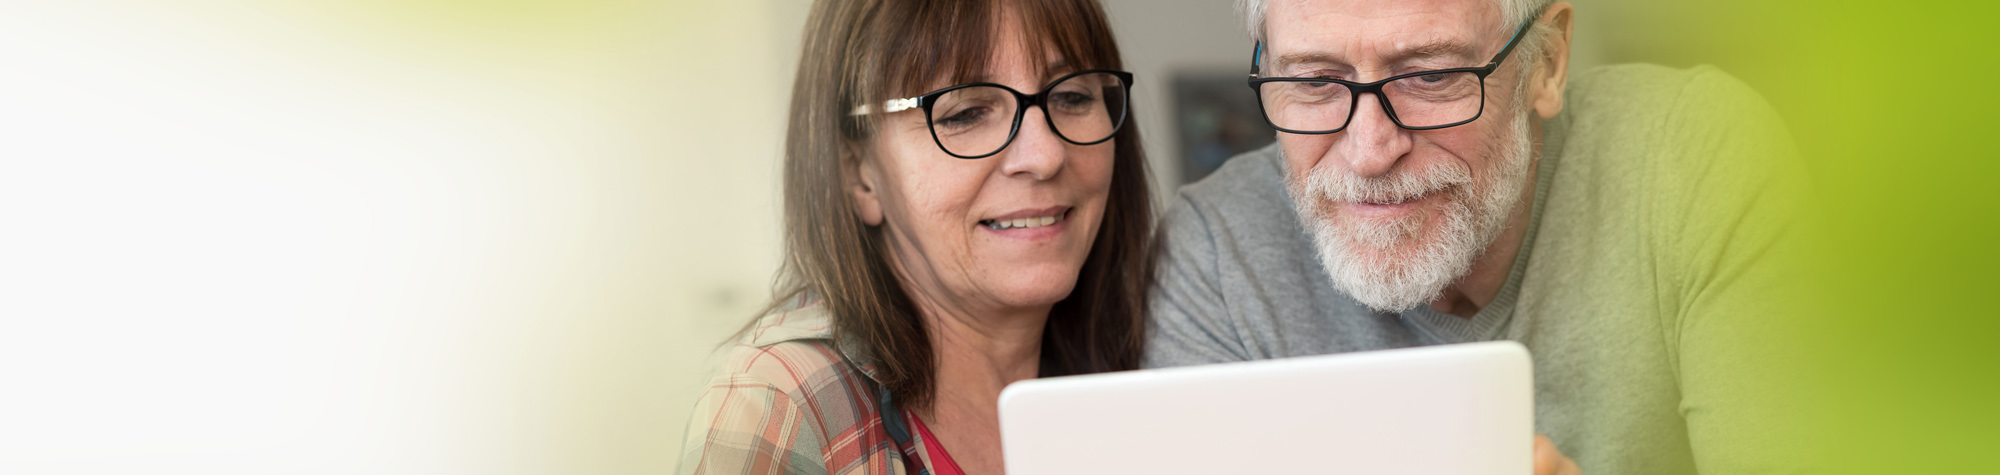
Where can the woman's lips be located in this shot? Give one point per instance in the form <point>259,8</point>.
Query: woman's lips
<point>1031,221</point>
<point>1032,225</point>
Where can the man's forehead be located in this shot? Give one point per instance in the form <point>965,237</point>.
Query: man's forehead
<point>1351,31</point>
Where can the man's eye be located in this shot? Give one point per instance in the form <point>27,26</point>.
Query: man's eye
<point>1431,78</point>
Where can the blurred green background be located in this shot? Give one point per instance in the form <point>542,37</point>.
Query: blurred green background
<point>1894,106</point>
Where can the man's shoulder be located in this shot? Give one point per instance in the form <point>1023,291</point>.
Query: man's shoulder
<point>1240,214</point>
<point>1256,175</point>
<point>1638,81</point>
<point>1250,187</point>
<point>1647,98</point>
<point>1669,170</point>
<point>1667,134</point>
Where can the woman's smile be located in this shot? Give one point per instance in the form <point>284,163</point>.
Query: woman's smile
<point>1032,224</point>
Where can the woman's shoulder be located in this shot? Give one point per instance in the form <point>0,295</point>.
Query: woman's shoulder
<point>786,349</point>
<point>783,394</point>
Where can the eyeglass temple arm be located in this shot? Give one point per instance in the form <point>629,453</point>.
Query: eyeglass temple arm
<point>1511,42</point>
<point>893,105</point>
<point>1256,56</point>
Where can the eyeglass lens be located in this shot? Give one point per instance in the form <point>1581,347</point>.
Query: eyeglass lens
<point>979,120</point>
<point>1428,100</point>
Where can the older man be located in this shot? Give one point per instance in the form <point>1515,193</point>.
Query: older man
<point>1441,177</point>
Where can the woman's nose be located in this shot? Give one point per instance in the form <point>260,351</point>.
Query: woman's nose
<point>1036,152</point>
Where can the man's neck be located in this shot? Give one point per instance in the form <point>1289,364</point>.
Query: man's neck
<point>1490,270</point>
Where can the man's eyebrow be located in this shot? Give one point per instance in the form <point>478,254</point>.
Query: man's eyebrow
<point>1437,49</point>
<point>1290,59</point>
<point>1429,50</point>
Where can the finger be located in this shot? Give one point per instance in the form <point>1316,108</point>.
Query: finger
<point>1548,460</point>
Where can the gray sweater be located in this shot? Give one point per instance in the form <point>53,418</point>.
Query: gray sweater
<point>1647,288</point>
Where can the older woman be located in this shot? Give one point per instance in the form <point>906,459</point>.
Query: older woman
<point>965,207</point>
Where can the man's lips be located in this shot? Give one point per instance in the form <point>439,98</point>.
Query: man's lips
<point>1387,207</point>
<point>1392,201</point>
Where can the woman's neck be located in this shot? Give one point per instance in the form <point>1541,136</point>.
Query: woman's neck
<point>979,348</point>
<point>987,351</point>
<point>976,357</point>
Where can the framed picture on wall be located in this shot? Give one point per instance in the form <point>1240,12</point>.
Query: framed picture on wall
<point>1217,117</point>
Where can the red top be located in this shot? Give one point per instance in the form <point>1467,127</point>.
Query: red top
<point>940,461</point>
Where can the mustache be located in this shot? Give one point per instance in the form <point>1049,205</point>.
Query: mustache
<point>1401,184</point>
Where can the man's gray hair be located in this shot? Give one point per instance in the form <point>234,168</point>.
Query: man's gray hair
<point>1529,52</point>
<point>1517,11</point>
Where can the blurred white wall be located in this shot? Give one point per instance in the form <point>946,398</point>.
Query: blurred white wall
<point>1159,38</point>
<point>377,236</point>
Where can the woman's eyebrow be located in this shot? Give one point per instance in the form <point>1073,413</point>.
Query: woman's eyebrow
<point>1056,67</point>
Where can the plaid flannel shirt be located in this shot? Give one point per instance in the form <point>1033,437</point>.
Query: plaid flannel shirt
<point>788,399</point>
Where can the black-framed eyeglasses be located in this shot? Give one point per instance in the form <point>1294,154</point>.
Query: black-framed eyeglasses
<point>978,120</point>
<point>1423,100</point>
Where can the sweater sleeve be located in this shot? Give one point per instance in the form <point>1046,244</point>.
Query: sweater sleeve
<point>1729,212</point>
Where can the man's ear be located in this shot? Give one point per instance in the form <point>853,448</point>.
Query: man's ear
<point>1552,76</point>
<point>860,177</point>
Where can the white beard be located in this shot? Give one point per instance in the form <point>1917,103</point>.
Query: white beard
<point>1362,254</point>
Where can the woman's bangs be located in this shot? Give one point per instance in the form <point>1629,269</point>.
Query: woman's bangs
<point>1074,29</point>
<point>926,47</point>
<point>933,49</point>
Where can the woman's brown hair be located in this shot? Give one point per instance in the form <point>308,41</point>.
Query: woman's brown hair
<point>869,51</point>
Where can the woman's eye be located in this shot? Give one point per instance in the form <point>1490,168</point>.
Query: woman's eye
<point>1431,78</point>
<point>964,118</point>
<point>1072,100</point>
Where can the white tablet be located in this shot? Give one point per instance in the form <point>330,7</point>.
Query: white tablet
<point>1450,409</point>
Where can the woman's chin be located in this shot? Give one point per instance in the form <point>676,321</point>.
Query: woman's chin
<point>1033,289</point>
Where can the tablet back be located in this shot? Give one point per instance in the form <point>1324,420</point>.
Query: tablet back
<point>1450,409</point>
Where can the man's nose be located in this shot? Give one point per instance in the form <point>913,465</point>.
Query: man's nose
<point>1372,144</point>
<point>1036,152</point>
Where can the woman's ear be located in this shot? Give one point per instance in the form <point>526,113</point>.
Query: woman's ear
<point>860,177</point>
<point>1553,74</point>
